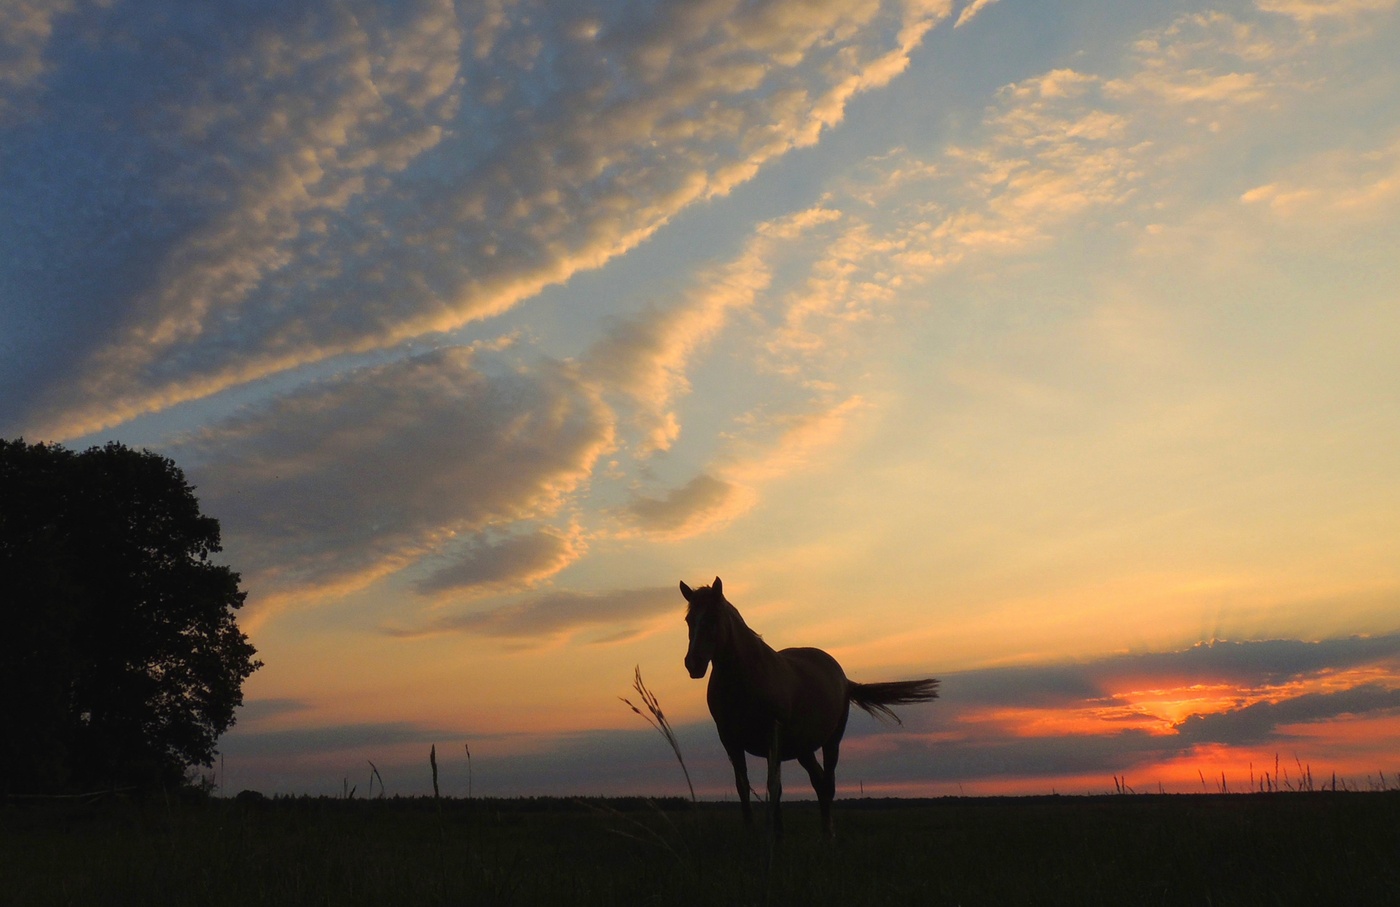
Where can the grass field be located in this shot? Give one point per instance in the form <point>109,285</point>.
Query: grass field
<point>1267,849</point>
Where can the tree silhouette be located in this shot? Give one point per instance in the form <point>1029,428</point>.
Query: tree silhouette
<point>120,660</point>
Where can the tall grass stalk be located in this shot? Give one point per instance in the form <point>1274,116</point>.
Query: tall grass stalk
<point>441,825</point>
<point>657,719</point>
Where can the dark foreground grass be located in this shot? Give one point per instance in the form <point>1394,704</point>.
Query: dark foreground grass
<point>1246,849</point>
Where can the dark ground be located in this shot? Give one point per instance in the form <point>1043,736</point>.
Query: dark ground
<point>1236,849</point>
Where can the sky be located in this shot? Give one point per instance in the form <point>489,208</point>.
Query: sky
<point>1046,348</point>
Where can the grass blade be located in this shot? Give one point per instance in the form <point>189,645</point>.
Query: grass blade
<point>657,719</point>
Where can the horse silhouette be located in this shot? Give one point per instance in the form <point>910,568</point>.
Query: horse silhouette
<point>779,705</point>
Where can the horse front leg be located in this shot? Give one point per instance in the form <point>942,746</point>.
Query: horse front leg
<point>739,760</point>
<point>775,779</point>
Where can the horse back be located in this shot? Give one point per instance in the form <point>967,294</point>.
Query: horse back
<point>818,674</point>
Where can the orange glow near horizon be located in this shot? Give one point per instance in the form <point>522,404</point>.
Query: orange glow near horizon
<point>1359,758</point>
<point>1345,751</point>
<point>1350,753</point>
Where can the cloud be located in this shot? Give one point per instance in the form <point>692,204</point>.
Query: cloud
<point>303,742</point>
<point>709,501</point>
<point>1262,722</point>
<point>614,762</point>
<point>970,10</point>
<point>1110,715</point>
<point>1066,147</point>
<point>1212,65</point>
<point>645,358</point>
<point>1028,722</point>
<point>699,503</point>
<point>1059,148</point>
<point>1252,664</point>
<point>1310,11</point>
<point>1345,184</point>
<point>1051,149</point>
<point>25,31</point>
<point>551,615</point>
<point>610,762</point>
<point>212,198</point>
<point>254,710</point>
<point>957,739</point>
<point>1255,663</point>
<point>911,760</point>
<point>489,565</point>
<point>802,437</point>
<point>345,480</point>
<point>1039,686</point>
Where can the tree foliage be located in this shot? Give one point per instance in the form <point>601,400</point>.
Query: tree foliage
<point>120,659</point>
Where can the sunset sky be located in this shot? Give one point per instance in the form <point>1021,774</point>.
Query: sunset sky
<point>1048,348</point>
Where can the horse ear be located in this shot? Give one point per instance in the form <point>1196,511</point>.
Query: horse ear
<point>718,587</point>
<point>686,591</point>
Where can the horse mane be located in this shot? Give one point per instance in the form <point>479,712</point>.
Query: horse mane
<point>726,607</point>
<point>737,622</point>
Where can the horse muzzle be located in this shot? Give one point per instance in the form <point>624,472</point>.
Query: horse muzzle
<point>696,668</point>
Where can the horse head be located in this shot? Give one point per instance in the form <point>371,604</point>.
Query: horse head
<point>704,617</point>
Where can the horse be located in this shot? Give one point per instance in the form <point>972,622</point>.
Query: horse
<point>779,705</point>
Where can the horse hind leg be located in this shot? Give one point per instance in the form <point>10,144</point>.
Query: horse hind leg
<point>821,785</point>
<point>831,752</point>
<point>775,781</point>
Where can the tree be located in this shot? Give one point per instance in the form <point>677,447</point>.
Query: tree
<point>121,663</point>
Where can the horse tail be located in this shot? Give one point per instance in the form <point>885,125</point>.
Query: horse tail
<point>876,698</point>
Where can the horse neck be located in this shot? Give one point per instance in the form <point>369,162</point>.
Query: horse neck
<point>745,654</point>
